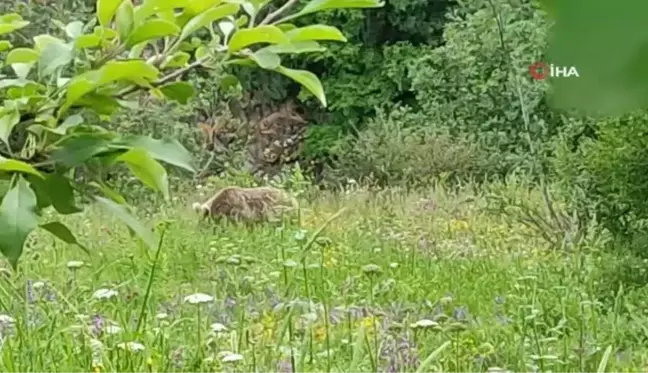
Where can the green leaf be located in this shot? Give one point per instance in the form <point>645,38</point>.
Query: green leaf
<point>106,9</point>
<point>146,234</point>
<point>178,59</point>
<point>101,104</point>
<point>150,7</point>
<point>166,149</point>
<point>116,197</point>
<point>147,169</point>
<point>266,59</point>
<point>205,19</point>
<point>294,47</point>
<point>152,29</point>
<point>320,5</point>
<point>69,122</point>
<point>22,69</point>
<point>8,120</point>
<point>134,70</point>
<point>199,6</point>
<point>178,91</point>
<point>74,29</point>
<point>262,34</point>
<point>54,56</point>
<point>306,78</point>
<point>606,42</point>
<point>43,40</point>
<point>18,218</point>
<point>63,233</point>
<point>432,356</point>
<point>55,190</point>
<point>5,45</point>
<point>315,32</point>
<point>125,20</point>
<point>11,22</point>
<point>21,55</point>
<point>127,70</point>
<point>78,148</point>
<point>13,165</point>
<point>87,41</point>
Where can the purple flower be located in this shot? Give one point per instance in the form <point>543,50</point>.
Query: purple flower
<point>284,366</point>
<point>401,355</point>
<point>29,289</point>
<point>97,323</point>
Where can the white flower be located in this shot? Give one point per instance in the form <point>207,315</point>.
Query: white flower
<point>393,265</point>
<point>218,327</point>
<point>104,294</point>
<point>131,346</point>
<point>38,285</point>
<point>97,352</point>
<point>112,329</point>
<point>6,319</point>
<point>230,357</point>
<point>162,316</point>
<point>74,264</point>
<point>424,323</point>
<point>198,298</point>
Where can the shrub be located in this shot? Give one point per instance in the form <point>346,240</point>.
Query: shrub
<point>391,151</point>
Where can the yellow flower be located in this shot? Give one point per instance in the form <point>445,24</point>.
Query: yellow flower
<point>96,368</point>
<point>329,259</point>
<point>368,323</point>
<point>320,334</point>
<point>459,225</point>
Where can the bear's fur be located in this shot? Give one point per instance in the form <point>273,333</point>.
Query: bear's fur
<point>248,205</point>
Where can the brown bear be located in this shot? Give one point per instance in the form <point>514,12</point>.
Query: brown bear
<point>248,205</point>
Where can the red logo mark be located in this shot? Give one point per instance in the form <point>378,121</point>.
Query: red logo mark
<point>539,70</point>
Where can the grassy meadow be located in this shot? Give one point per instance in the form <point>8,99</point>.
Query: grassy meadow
<point>395,282</point>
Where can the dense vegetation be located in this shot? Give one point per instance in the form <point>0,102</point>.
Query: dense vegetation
<point>453,217</point>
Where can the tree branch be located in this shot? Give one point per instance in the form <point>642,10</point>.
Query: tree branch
<point>169,77</point>
<point>270,17</point>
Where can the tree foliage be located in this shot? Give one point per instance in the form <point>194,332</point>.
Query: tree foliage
<point>54,90</point>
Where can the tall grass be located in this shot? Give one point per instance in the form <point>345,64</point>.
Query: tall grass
<point>395,282</point>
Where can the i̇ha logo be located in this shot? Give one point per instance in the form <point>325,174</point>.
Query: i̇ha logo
<point>540,71</point>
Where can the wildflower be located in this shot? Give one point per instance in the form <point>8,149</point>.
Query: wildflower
<point>104,294</point>
<point>97,354</point>
<point>198,298</point>
<point>320,334</point>
<point>112,329</point>
<point>162,316</point>
<point>38,285</point>
<point>230,357</point>
<point>371,269</point>
<point>290,263</point>
<point>131,346</point>
<point>75,264</point>
<point>218,327</point>
<point>393,265</point>
<point>29,291</point>
<point>424,324</point>
<point>96,325</point>
<point>401,356</point>
<point>6,320</point>
<point>459,225</point>
<point>460,314</point>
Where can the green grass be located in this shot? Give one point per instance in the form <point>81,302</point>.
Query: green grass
<point>493,295</point>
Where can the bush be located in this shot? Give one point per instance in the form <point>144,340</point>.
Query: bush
<point>391,151</point>
<point>607,176</point>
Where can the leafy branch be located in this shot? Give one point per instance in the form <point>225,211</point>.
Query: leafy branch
<point>46,136</point>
